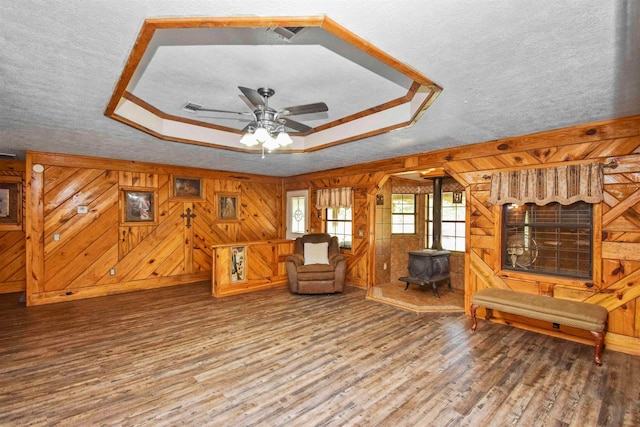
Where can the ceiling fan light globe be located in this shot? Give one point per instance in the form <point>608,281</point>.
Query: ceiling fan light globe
<point>271,144</point>
<point>249,140</point>
<point>283,139</point>
<point>262,135</point>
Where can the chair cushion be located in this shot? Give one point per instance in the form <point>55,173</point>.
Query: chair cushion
<point>316,272</point>
<point>316,253</point>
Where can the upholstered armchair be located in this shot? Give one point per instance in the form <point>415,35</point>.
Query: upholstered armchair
<point>316,266</point>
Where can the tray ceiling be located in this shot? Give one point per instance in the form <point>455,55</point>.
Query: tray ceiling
<point>507,69</point>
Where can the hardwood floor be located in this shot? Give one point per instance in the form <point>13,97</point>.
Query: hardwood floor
<point>176,356</point>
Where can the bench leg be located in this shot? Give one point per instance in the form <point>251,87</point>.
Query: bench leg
<point>489,314</point>
<point>599,336</point>
<point>474,320</point>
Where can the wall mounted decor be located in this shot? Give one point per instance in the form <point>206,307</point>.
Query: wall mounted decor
<point>138,206</point>
<point>228,205</point>
<point>187,189</point>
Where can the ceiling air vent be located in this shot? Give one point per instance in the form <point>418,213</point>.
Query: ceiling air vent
<point>287,33</point>
<point>192,107</point>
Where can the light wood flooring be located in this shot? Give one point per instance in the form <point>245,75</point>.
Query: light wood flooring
<point>177,356</point>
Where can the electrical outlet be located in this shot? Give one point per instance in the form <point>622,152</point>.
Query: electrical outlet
<point>56,237</point>
<point>112,272</point>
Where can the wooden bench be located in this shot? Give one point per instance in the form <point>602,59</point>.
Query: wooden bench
<point>575,314</point>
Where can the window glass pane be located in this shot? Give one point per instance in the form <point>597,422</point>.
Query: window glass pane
<point>448,243</point>
<point>550,239</point>
<point>298,214</point>
<point>453,221</point>
<point>339,225</point>
<point>403,213</point>
<point>448,229</point>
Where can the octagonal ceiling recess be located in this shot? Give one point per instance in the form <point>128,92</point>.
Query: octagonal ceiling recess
<point>204,60</point>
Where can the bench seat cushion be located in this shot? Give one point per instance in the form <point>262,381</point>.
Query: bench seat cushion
<point>569,313</point>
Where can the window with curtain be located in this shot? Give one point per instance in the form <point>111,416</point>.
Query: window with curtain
<point>453,221</point>
<point>339,224</point>
<point>403,214</point>
<point>337,202</point>
<point>547,218</point>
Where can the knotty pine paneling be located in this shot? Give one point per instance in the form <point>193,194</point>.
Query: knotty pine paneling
<point>616,283</point>
<point>617,265</point>
<point>167,252</point>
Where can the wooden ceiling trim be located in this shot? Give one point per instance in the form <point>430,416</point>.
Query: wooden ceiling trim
<point>131,165</point>
<point>353,39</point>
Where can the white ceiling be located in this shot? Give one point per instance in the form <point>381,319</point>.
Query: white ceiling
<point>507,67</point>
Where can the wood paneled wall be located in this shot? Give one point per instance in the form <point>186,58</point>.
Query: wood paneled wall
<point>616,248</point>
<point>12,240</point>
<point>168,253</point>
<point>361,256</point>
<point>71,254</point>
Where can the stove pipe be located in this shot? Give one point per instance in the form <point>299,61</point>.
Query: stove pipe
<point>437,214</point>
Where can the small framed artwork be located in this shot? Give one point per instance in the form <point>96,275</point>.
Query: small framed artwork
<point>228,205</point>
<point>238,264</point>
<point>10,203</point>
<point>187,189</point>
<point>139,206</point>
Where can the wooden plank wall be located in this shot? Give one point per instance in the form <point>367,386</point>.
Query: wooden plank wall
<point>360,257</point>
<point>164,253</point>
<point>616,281</point>
<point>616,246</point>
<point>12,241</point>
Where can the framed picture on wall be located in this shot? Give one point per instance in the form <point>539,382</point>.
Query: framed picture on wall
<point>228,205</point>
<point>238,264</point>
<point>10,203</point>
<point>187,189</point>
<point>139,206</point>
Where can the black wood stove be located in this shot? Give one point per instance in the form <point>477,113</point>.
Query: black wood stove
<point>428,267</point>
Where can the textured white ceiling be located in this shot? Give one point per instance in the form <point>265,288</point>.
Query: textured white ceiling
<point>507,67</point>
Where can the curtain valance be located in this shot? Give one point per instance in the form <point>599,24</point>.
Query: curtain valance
<point>334,198</point>
<point>562,184</point>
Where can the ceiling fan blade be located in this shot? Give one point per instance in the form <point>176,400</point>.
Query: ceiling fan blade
<point>246,101</point>
<point>317,107</point>
<point>213,110</point>
<point>295,125</point>
<point>252,95</point>
<point>219,117</point>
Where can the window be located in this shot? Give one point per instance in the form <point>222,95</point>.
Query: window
<point>403,214</point>
<point>550,239</point>
<point>297,213</point>
<point>453,221</point>
<point>339,225</point>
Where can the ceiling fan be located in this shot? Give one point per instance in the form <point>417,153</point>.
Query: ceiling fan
<point>274,121</point>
